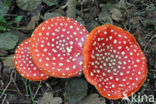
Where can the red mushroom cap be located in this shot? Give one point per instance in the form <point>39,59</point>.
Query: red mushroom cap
<point>25,65</point>
<point>114,62</point>
<point>57,47</point>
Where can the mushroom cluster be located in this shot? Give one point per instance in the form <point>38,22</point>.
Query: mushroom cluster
<point>55,49</point>
<point>110,57</point>
<point>114,62</point>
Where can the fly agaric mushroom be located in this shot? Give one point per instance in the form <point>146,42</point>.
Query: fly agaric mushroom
<point>25,65</point>
<point>57,47</point>
<point>114,62</point>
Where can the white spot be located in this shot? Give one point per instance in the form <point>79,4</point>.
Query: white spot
<point>110,38</point>
<point>119,47</point>
<point>69,49</point>
<point>54,50</point>
<point>53,34</point>
<point>60,64</point>
<point>124,42</point>
<point>40,60</point>
<point>121,73</point>
<point>104,74</point>
<point>71,42</point>
<point>139,73</point>
<point>112,30</point>
<point>119,35</point>
<point>137,60</point>
<point>42,75</point>
<point>74,66</point>
<point>34,68</point>
<point>71,27</point>
<point>45,50</point>
<point>47,33</point>
<point>34,74</point>
<point>98,71</point>
<point>105,32</point>
<point>80,44</point>
<point>40,34</point>
<point>113,85</point>
<point>122,52</point>
<point>117,79</point>
<point>115,41</point>
<point>43,28</point>
<point>80,63</point>
<point>131,53</point>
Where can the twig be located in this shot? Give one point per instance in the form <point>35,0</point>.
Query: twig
<point>16,86</point>
<point>3,101</point>
<point>82,7</point>
<point>39,86</point>
<point>144,12</point>
<point>71,11</point>
<point>7,84</point>
<point>149,42</point>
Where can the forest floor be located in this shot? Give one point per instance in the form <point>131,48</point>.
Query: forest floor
<point>21,17</point>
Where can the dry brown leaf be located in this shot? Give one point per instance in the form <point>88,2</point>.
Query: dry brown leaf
<point>9,62</point>
<point>152,17</point>
<point>116,14</point>
<point>33,21</point>
<point>93,99</point>
<point>3,53</point>
<point>49,99</point>
<point>140,36</point>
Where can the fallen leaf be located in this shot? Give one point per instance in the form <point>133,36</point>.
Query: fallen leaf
<point>116,14</point>
<point>51,2</point>
<point>48,98</point>
<point>153,47</point>
<point>108,6</point>
<point>135,20</point>
<point>21,36</point>
<point>14,98</point>
<point>4,7</point>
<point>105,17</point>
<point>33,22</point>
<point>121,5</point>
<point>152,17</point>
<point>18,19</point>
<point>8,41</point>
<point>9,61</point>
<point>93,99</point>
<point>2,28</point>
<point>3,53</point>
<point>140,36</point>
<point>28,5</point>
<point>50,15</point>
<point>91,25</point>
<point>76,90</point>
